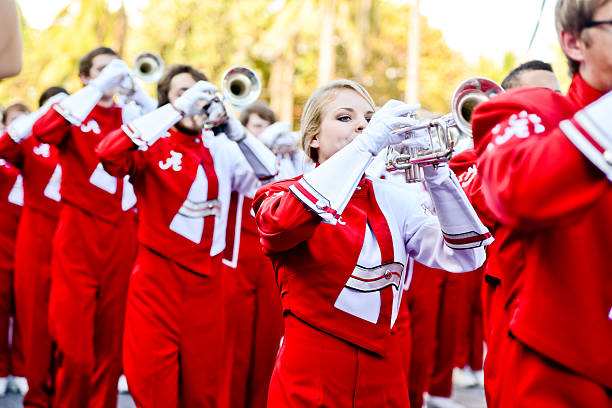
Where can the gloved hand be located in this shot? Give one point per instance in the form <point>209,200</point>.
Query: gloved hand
<point>234,129</point>
<point>379,134</point>
<point>192,101</point>
<point>21,127</point>
<point>143,99</point>
<point>272,133</point>
<point>111,76</point>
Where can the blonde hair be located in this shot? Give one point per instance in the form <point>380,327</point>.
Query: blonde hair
<point>572,16</point>
<point>313,111</point>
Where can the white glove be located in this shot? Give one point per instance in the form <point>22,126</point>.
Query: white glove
<point>188,104</point>
<point>111,76</point>
<point>143,99</point>
<point>379,134</point>
<point>272,133</point>
<point>419,139</point>
<point>234,129</point>
<point>21,127</point>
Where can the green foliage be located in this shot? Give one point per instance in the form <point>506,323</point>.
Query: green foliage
<point>370,41</point>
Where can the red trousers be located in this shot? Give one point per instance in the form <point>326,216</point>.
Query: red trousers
<point>315,369</point>
<point>470,333</point>
<point>423,301</point>
<point>32,285</point>
<point>11,357</point>
<point>173,350</point>
<point>455,300</point>
<point>90,270</point>
<point>255,326</point>
<point>528,379</point>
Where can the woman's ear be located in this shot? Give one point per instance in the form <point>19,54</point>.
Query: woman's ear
<point>314,143</point>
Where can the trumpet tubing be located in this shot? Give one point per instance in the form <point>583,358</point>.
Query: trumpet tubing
<point>240,86</point>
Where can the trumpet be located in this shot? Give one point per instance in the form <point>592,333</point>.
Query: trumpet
<point>240,87</point>
<point>443,132</point>
<point>148,67</point>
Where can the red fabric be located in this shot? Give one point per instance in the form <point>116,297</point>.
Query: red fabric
<point>32,285</point>
<point>531,380</point>
<point>90,270</point>
<point>9,219</point>
<point>423,301</point>
<point>470,333</point>
<point>554,206</point>
<point>162,191</point>
<point>317,369</point>
<point>453,312</point>
<point>285,223</point>
<point>36,161</point>
<point>174,334</point>
<point>78,159</point>
<point>254,315</point>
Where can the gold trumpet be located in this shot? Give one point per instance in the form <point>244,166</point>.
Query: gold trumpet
<point>443,132</point>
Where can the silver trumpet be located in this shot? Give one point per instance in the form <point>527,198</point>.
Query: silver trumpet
<point>444,132</point>
<point>148,67</point>
<point>240,87</point>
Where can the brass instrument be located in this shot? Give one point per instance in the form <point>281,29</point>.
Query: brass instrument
<point>240,87</point>
<point>444,132</point>
<point>148,67</point>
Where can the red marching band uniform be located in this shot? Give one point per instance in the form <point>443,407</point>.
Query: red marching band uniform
<point>542,162</point>
<point>175,312</point>
<point>38,163</point>
<point>93,252</point>
<point>11,193</point>
<point>340,247</point>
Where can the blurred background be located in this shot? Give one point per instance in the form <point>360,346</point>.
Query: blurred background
<point>411,50</point>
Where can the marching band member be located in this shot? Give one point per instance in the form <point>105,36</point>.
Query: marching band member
<point>38,164</point>
<point>544,167</point>
<point>254,315</point>
<point>11,191</point>
<point>95,242</point>
<point>173,346</point>
<point>339,243</point>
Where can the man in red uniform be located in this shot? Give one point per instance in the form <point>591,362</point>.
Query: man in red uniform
<point>545,166</point>
<point>174,337</point>
<point>11,359</point>
<point>38,163</point>
<point>94,244</point>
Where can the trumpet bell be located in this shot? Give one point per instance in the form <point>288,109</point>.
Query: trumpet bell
<point>148,67</point>
<point>469,94</point>
<point>240,86</point>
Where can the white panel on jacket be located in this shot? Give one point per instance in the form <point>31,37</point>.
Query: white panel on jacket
<point>192,228</point>
<point>101,179</point>
<point>128,198</point>
<point>52,190</point>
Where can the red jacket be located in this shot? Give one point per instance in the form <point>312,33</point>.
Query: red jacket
<point>84,183</point>
<point>9,211</point>
<point>38,163</point>
<point>554,206</point>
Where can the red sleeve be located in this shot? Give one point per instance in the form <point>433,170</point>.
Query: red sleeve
<point>51,128</point>
<point>10,151</point>
<point>531,174</point>
<point>283,221</point>
<point>119,156</point>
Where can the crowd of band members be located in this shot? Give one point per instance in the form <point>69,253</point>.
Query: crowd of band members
<point>243,264</point>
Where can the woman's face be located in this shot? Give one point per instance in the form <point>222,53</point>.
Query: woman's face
<point>341,121</point>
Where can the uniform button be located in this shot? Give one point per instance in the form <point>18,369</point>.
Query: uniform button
<point>197,140</point>
<point>388,274</point>
<point>320,205</point>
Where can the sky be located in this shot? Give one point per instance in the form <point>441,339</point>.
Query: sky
<point>473,27</point>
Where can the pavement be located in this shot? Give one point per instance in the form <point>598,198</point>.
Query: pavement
<point>470,397</point>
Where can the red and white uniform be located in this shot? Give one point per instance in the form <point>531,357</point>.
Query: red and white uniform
<point>553,205</point>
<point>341,280</point>
<point>11,201</point>
<point>254,315</point>
<point>38,163</point>
<point>93,252</point>
<point>173,346</point>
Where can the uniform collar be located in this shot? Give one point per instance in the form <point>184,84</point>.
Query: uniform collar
<point>185,139</point>
<point>582,93</point>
